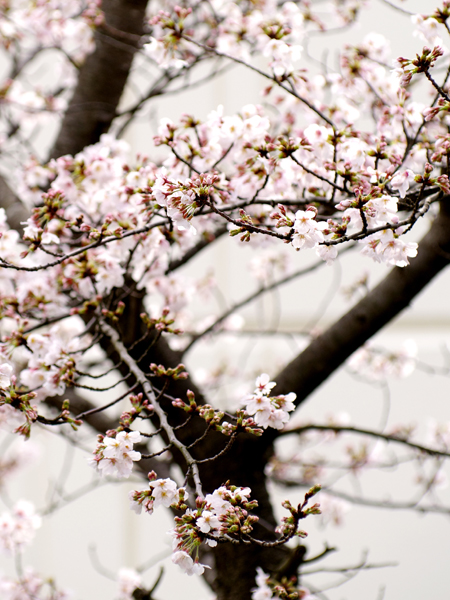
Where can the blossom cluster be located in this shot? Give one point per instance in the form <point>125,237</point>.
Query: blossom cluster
<point>18,527</point>
<point>114,455</point>
<point>224,512</point>
<point>128,580</point>
<point>54,356</point>
<point>161,492</point>
<point>31,585</point>
<point>64,31</point>
<point>267,410</point>
<point>53,23</point>
<point>377,364</point>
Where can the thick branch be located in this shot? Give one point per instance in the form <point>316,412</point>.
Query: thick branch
<point>16,212</point>
<point>143,381</point>
<point>102,77</point>
<point>386,301</point>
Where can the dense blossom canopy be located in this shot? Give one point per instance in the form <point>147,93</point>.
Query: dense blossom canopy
<point>329,160</point>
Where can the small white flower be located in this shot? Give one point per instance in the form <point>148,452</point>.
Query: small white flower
<point>17,528</point>
<point>183,560</point>
<point>327,253</point>
<point>164,492</point>
<point>263,384</point>
<point>128,580</point>
<point>402,181</point>
<point>6,372</point>
<point>208,521</point>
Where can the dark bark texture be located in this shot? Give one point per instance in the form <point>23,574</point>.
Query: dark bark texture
<point>102,77</point>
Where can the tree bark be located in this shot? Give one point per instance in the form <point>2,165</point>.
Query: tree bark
<point>15,211</point>
<point>102,77</point>
<point>386,301</point>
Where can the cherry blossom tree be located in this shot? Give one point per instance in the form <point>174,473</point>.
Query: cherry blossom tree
<point>96,241</point>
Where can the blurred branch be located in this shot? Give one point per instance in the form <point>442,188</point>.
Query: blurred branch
<point>369,432</point>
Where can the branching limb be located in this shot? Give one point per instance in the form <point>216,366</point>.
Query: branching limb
<point>369,432</point>
<point>146,386</point>
<point>330,350</point>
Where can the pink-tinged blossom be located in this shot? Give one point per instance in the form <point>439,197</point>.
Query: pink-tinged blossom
<point>208,521</point>
<point>262,591</point>
<point>30,585</point>
<point>318,136</point>
<point>213,516</point>
<point>328,253</point>
<point>386,247</point>
<point>258,404</point>
<point>385,208</point>
<point>6,372</point>
<point>53,357</point>
<point>282,56</point>
<point>163,55</point>
<point>217,501</point>
<point>429,30</point>
<point>110,273</point>
<point>378,364</point>
<point>263,384</point>
<point>18,527</point>
<point>189,566</point>
<point>164,492</point>
<point>127,581</point>
<point>402,182</point>
<point>114,456</point>
<point>161,492</point>
<point>286,402</point>
<point>394,250</point>
<point>277,419</point>
<point>268,411</point>
<point>307,231</point>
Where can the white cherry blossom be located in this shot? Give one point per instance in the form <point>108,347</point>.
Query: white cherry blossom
<point>6,372</point>
<point>189,566</point>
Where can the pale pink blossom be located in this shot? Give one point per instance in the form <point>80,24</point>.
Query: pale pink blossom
<point>18,527</point>
<point>402,181</point>
<point>164,492</point>
<point>208,521</point>
<point>268,411</point>
<point>327,252</point>
<point>114,456</point>
<point>128,580</point>
<point>189,566</point>
<point>6,372</point>
<point>262,591</point>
